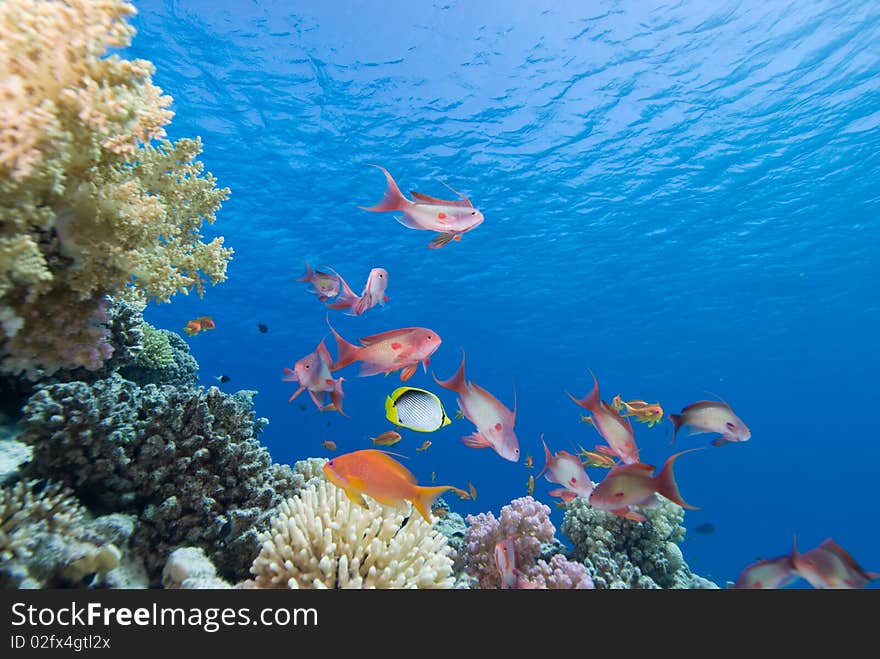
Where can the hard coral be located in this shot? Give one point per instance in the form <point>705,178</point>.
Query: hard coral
<point>620,553</point>
<point>184,460</point>
<point>527,522</point>
<point>88,206</point>
<point>47,539</point>
<point>320,539</point>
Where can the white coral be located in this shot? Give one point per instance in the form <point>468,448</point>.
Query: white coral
<point>320,539</point>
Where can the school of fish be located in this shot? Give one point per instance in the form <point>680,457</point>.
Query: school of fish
<point>628,484</point>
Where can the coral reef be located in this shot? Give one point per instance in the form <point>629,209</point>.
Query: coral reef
<point>184,460</point>
<point>620,553</point>
<point>88,205</point>
<point>189,568</point>
<point>320,539</point>
<point>47,539</point>
<point>167,360</point>
<point>527,521</point>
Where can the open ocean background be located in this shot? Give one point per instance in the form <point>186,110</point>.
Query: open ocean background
<point>682,196</point>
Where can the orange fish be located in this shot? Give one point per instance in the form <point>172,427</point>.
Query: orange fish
<point>424,447</point>
<point>529,462</point>
<point>378,475</point>
<point>192,328</point>
<point>200,324</point>
<point>642,411</point>
<point>329,444</point>
<point>387,438</point>
<point>473,491</point>
<point>596,458</point>
<point>530,485</point>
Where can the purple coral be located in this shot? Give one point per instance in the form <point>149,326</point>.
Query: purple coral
<point>527,521</point>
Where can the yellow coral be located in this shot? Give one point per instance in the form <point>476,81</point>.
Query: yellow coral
<point>87,205</point>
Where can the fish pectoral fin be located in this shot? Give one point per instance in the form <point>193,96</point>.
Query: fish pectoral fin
<point>476,440</point>
<point>720,441</point>
<point>563,493</point>
<point>408,372</point>
<point>441,240</point>
<point>355,497</point>
<point>629,514</point>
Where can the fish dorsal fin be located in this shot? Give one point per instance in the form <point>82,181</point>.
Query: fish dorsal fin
<point>704,404</point>
<point>635,469</point>
<point>434,201</point>
<point>384,336</point>
<point>841,553</point>
<point>393,465</point>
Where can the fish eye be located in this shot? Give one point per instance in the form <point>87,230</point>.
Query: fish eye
<point>330,463</point>
<point>730,426</point>
<point>430,337</point>
<point>307,366</point>
<point>473,212</point>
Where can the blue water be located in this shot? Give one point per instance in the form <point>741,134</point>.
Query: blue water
<point>680,196</point>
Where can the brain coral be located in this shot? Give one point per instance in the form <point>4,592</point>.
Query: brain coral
<point>320,539</point>
<point>184,460</point>
<point>88,204</point>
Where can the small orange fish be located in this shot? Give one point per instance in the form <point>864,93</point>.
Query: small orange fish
<point>387,438</point>
<point>378,475</point>
<point>586,419</point>
<point>530,485</point>
<point>433,476</point>
<point>642,411</point>
<point>200,324</point>
<point>596,459</point>
<point>473,491</point>
<point>529,462</point>
<point>329,444</point>
<point>424,447</point>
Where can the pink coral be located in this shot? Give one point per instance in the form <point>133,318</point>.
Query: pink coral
<point>527,521</point>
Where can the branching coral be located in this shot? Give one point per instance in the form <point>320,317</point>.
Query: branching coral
<point>88,206</point>
<point>620,553</point>
<point>184,460</point>
<point>320,539</point>
<point>527,522</point>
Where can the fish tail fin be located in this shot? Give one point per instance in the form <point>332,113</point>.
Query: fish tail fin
<point>425,496</point>
<point>308,274</point>
<point>665,483</point>
<point>676,425</point>
<point>547,458</point>
<point>457,382</point>
<point>347,298</point>
<point>346,352</point>
<point>591,400</point>
<point>336,396</point>
<point>393,200</point>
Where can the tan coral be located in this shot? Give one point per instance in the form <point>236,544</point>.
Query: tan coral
<point>88,206</point>
<point>320,539</point>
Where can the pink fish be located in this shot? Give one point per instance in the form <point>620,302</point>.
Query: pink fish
<point>633,485</point>
<point>711,416</point>
<point>389,351</point>
<point>493,420</point>
<point>372,295</point>
<point>312,372</point>
<point>566,470</point>
<point>506,563</point>
<point>771,573</point>
<point>374,291</point>
<point>615,429</point>
<point>323,284</point>
<point>449,218</point>
<point>830,566</point>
